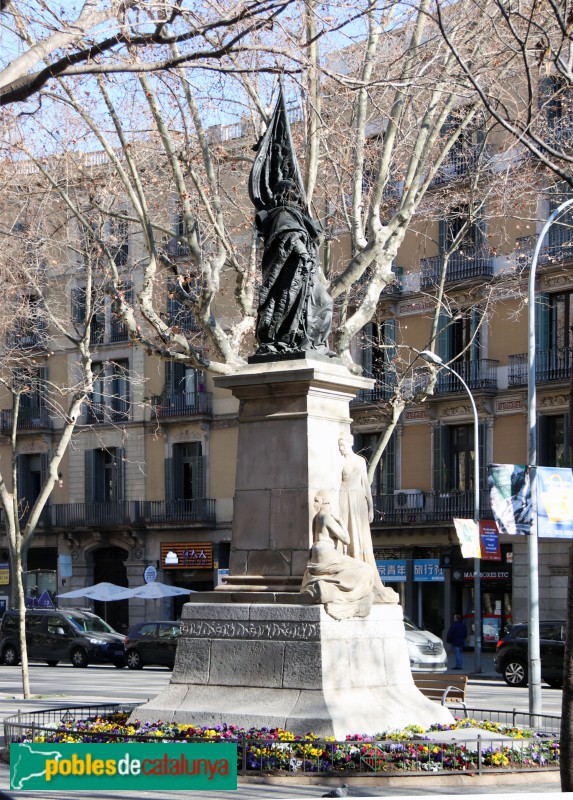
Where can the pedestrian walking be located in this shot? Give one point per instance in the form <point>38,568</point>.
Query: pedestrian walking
<point>456,636</point>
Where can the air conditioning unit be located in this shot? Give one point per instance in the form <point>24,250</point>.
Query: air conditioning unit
<point>408,499</point>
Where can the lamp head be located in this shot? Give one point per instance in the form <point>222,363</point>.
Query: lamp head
<point>431,357</point>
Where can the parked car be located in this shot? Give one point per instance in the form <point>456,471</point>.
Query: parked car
<point>511,655</point>
<point>54,635</point>
<point>426,650</point>
<point>152,643</point>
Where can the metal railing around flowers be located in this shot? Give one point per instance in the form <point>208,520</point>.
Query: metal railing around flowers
<point>408,752</point>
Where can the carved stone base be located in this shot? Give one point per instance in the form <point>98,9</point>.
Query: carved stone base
<point>292,666</point>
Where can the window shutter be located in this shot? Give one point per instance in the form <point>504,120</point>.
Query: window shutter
<point>120,473</point>
<point>443,343</point>
<point>542,321</point>
<point>475,334</point>
<point>89,487</point>
<point>42,389</point>
<point>482,451</point>
<point>168,377</point>
<point>177,472</point>
<point>389,336</point>
<point>199,475</point>
<point>78,305</point>
<point>367,346</point>
<point>22,476</point>
<point>566,450</point>
<point>169,493</point>
<point>44,464</point>
<point>439,466</point>
<point>389,466</point>
<point>442,236</point>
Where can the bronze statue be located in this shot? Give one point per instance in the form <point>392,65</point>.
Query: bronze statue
<point>295,310</point>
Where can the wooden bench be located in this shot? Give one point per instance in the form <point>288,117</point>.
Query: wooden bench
<point>443,687</point>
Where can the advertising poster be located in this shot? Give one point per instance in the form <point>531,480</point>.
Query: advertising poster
<point>490,549</point>
<point>510,496</point>
<point>555,502</point>
<point>468,537</point>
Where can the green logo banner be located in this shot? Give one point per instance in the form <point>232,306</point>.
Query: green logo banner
<point>146,766</point>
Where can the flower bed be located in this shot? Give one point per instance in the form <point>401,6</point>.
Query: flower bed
<point>264,750</point>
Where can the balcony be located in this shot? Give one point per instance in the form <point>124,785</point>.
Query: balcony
<point>20,339</point>
<point>29,418</point>
<point>458,164</point>
<point>118,331</point>
<point>479,374</point>
<point>182,404</point>
<point>139,513</point>
<point>558,247</point>
<point>550,365</point>
<point>404,508</point>
<point>463,265</point>
<point>115,411</point>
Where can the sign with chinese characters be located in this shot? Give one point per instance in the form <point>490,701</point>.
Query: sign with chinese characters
<point>427,569</point>
<point>189,555</point>
<point>4,574</point>
<point>391,570</point>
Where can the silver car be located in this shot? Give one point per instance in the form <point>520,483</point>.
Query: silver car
<point>426,650</point>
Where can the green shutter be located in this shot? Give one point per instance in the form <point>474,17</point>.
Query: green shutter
<point>439,466</point>
<point>169,494</point>
<point>542,317</point>
<point>442,236</point>
<point>198,465</point>
<point>120,473</point>
<point>389,466</point>
<point>89,488</point>
<point>42,388</point>
<point>443,343</point>
<point>475,322</point>
<point>44,464</point>
<point>367,340</point>
<point>78,305</point>
<point>389,338</point>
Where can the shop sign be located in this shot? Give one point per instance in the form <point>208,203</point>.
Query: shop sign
<point>391,570</point>
<point>490,549</point>
<point>490,573</point>
<point>4,574</point>
<point>189,555</point>
<point>150,574</point>
<point>427,570</point>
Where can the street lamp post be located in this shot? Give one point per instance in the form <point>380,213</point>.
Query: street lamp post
<point>533,550</point>
<point>433,358</point>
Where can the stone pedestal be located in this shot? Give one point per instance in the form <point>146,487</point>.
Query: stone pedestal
<point>292,666</point>
<point>291,415</point>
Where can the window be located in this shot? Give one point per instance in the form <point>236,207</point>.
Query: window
<point>185,473</point>
<point>80,313</point>
<point>459,229</point>
<point>378,342</point>
<point>552,433</point>
<point>32,470</point>
<point>454,453</point>
<point>104,475</point>
<point>459,342</point>
<point>30,328</point>
<point>118,240</point>
<point>118,331</point>
<point>553,317</point>
<point>385,476</point>
<point>110,401</point>
<point>178,312</point>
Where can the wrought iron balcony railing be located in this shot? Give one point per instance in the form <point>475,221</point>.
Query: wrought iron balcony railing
<point>462,265</point>
<point>478,374</point>
<point>130,512</point>
<point>458,165</point>
<point>182,404</point>
<point>20,339</point>
<point>29,418</point>
<point>407,507</point>
<point>550,365</point>
<point>115,411</point>
<point>557,247</point>
<point>117,331</point>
